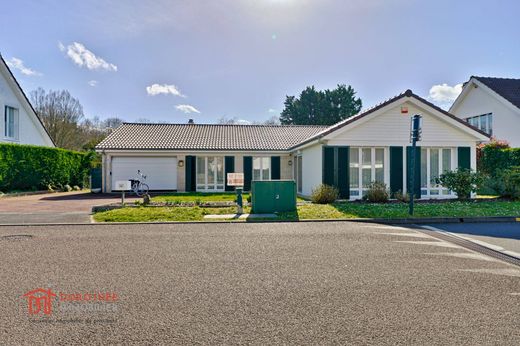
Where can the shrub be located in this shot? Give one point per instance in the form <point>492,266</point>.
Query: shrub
<point>493,158</point>
<point>402,197</point>
<point>507,183</point>
<point>377,192</point>
<point>324,194</point>
<point>29,167</point>
<point>462,181</point>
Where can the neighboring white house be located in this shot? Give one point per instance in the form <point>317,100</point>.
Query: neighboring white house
<point>19,122</point>
<point>493,105</point>
<point>371,146</point>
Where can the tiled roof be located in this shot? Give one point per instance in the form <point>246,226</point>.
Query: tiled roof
<point>508,88</point>
<point>207,137</point>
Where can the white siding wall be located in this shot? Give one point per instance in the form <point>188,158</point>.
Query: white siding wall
<point>311,168</point>
<point>506,122</point>
<point>28,130</point>
<point>392,128</point>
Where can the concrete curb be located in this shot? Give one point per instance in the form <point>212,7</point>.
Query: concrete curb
<point>407,221</point>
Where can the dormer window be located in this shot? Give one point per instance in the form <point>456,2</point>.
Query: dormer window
<point>483,122</point>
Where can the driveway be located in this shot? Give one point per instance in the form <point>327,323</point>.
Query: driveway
<point>291,283</point>
<point>67,207</point>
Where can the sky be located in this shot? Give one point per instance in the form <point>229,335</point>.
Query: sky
<point>171,60</point>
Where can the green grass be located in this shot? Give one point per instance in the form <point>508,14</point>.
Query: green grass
<point>200,197</point>
<point>322,211</point>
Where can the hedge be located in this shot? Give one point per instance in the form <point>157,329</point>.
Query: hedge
<point>492,159</point>
<point>29,167</point>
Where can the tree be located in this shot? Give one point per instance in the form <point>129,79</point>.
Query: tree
<point>61,114</point>
<point>320,107</point>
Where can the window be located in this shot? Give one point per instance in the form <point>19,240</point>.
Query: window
<point>483,122</point>
<point>261,168</point>
<point>434,162</point>
<point>210,173</point>
<point>11,123</point>
<point>366,166</point>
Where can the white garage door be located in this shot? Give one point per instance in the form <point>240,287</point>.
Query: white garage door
<point>161,172</point>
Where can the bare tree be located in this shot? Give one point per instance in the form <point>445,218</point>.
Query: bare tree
<point>61,114</point>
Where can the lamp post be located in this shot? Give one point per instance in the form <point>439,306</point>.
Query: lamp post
<point>415,136</point>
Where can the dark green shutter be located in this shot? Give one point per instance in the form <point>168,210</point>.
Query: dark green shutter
<point>417,186</point>
<point>396,169</point>
<point>190,173</point>
<point>229,163</point>
<point>464,154</point>
<point>343,182</point>
<point>248,172</point>
<point>275,167</point>
<point>328,166</point>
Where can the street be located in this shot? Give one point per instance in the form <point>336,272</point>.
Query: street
<point>266,283</point>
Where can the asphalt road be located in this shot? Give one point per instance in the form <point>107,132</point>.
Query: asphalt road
<point>501,235</point>
<point>297,283</point>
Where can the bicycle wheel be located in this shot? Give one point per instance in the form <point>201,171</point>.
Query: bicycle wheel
<point>144,189</point>
<point>135,189</point>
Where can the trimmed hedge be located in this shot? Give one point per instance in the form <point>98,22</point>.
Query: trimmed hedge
<point>492,159</point>
<point>29,167</point>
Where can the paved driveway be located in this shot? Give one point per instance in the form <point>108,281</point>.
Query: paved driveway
<point>68,207</point>
<point>292,283</point>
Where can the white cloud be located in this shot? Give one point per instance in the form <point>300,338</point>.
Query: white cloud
<point>272,110</point>
<point>156,89</point>
<point>83,57</point>
<point>443,93</point>
<point>187,109</point>
<point>18,64</point>
<point>93,83</point>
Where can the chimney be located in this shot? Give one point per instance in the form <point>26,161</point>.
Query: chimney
<point>191,122</point>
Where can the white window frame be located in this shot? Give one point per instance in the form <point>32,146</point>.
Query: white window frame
<point>443,192</point>
<point>15,121</point>
<point>261,158</point>
<point>478,122</point>
<point>215,186</point>
<point>360,189</point>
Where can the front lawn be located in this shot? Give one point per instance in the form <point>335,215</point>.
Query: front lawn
<point>346,210</point>
<point>194,197</point>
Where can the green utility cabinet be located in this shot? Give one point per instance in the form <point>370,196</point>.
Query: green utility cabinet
<point>271,196</point>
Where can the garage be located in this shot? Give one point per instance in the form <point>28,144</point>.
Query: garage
<point>161,172</point>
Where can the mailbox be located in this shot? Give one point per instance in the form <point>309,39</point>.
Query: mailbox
<point>123,185</point>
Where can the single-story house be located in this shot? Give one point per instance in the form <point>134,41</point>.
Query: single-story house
<point>19,124</point>
<point>493,105</point>
<point>371,146</point>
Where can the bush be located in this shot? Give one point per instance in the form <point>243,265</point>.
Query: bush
<point>402,197</point>
<point>493,158</point>
<point>29,167</point>
<point>462,181</point>
<point>324,194</point>
<point>507,183</point>
<point>377,192</point>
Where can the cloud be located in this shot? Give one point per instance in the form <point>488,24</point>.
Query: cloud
<point>156,89</point>
<point>93,83</point>
<point>444,93</point>
<point>272,110</point>
<point>187,109</point>
<point>83,57</point>
<point>18,64</point>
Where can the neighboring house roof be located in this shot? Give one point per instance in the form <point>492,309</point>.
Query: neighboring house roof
<point>508,88</point>
<point>32,111</point>
<point>407,93</point>
<point>138,136</point>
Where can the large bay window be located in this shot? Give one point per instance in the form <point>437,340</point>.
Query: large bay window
<point>261,168</point>
<point>210,173</point>
<point>366,165</point>
<point>434,162</point>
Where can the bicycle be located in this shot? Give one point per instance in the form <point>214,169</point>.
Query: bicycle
<point>138,186</point>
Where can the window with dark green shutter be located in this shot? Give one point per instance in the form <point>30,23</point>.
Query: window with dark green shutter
<point>396,169</point>
<point>190,173</point>
<point>464,157</point>
<point>248,172</point>
<point>328,166</point>
<point>275,167</point>
<point>336,169</point>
